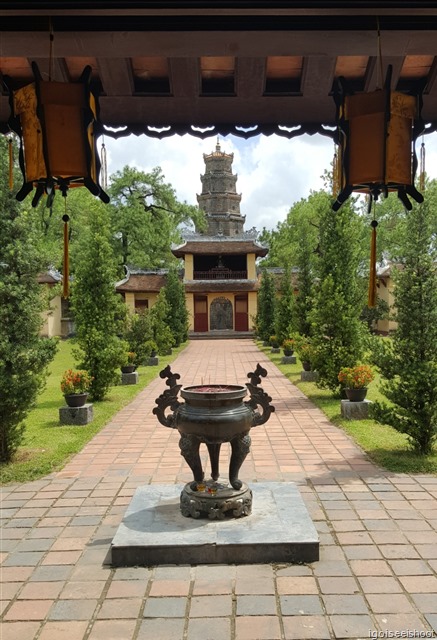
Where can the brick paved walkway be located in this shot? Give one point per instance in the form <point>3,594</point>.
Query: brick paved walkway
<point>378,533</point>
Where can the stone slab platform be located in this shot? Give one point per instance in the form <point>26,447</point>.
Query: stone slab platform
<point>154,531</point>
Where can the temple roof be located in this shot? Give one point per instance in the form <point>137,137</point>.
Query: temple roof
<point>152,281</point>
<point>246,67</point>
<point>209,245</point>
<point>213,286</point>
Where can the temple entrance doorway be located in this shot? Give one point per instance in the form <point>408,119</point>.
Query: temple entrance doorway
<point>220,315</point>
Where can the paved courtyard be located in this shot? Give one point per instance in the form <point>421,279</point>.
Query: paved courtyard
<point>378,533</point>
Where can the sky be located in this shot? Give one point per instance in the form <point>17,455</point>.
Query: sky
<point>273,172</point>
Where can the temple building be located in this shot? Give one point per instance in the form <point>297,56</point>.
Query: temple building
<point>220,275</point>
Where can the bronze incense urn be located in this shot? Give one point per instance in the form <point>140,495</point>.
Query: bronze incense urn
<point>212,415</point>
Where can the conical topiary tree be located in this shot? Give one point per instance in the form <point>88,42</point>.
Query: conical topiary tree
<point>408,363</point>
<point>337,333</point>
<point>177,318</point>
<point>265,319</point>
<point>24,355</point>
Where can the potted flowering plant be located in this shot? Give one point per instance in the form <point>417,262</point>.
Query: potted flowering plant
<point>306,352</point>
<point>355,381</point>
<point>274,342</point>
<point>129,366</point>
<point>288,346</point>
<point>75,384</point>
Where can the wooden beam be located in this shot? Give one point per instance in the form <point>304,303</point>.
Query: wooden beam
<point>250,77</point>
<point>184,77</point>
<point>116,76</point>
<point>317,76</point>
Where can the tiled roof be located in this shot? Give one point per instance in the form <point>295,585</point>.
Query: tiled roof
<point>210,286</point>
<point>49,277</point>
<point>219,247</point>
<point>142,282</point>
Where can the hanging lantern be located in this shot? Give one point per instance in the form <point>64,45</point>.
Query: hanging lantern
<point>56,123</point>
<point>376,133</point>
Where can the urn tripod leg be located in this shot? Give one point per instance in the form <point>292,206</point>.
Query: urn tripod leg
<point>240,446</point>
<point>214,455</point>
<point>189,446</point>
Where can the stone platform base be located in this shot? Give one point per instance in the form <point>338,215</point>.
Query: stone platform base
<point>152,361</point>
<point>309,376</point>
<point>129,378</point>
<point>154,531</point>
<point>275,350</point>
<point>288,360</point>
<point>355,410</point>
<point>76,415</point>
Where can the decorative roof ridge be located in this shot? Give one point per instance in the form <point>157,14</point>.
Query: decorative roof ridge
<point>134,271</point>
<point>251,234</point>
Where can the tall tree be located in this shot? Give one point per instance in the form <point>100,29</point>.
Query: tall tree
<point>265,319</point>
<point>284,311</point>
<point>24,355</point>
<point>337,331</point>
<point>98,310</point>
<point>409,363</point>
<point>146,217</point>
<point>305,263</point>
<point>178,313</point>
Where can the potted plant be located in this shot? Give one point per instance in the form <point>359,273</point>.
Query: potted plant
<point>306,352</point>
<point>75,384</point>
<point>274,343</point>
<point>355,381</point>
<point>129,366</point>
<point>288,346</point>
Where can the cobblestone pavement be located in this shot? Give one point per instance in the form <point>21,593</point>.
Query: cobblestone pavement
<point>378,533</point>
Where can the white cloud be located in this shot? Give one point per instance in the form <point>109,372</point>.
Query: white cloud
<point>273,172</point>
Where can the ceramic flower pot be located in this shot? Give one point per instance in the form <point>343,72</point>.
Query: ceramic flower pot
<point>356,395</point>
<point>76,399</point>
<point>306,365</point>
<point>128,368</point>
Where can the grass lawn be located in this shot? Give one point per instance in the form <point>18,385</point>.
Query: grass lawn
<point>47,446</point>
<point>384,445</point>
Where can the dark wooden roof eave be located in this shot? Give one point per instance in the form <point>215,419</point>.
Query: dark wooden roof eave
<point>219,247</point>
<point>220,286</point>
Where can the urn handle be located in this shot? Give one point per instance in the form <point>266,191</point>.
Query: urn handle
<point>168,399</point>
<point>258,397</point>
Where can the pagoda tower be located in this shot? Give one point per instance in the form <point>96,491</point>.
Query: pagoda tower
<point>219,198</point>
<point>220,277</point>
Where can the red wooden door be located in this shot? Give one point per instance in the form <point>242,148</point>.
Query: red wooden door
<point>200,313</point>
<point>241,313</point>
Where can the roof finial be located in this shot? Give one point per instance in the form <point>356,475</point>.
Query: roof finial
<point>217,148</point>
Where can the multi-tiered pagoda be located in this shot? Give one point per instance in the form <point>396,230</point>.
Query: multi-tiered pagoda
<point>220,272</point>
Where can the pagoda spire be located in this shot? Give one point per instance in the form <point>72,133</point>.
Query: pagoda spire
<point>219,198</point>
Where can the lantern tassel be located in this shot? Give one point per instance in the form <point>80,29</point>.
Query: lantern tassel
<point>422,167</point>
<point>66,289</point>
<point>11,165</point>
<point>371,301</point>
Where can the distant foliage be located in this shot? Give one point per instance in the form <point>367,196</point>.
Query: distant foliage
<point>409,361</point>
<point>146,217</point>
